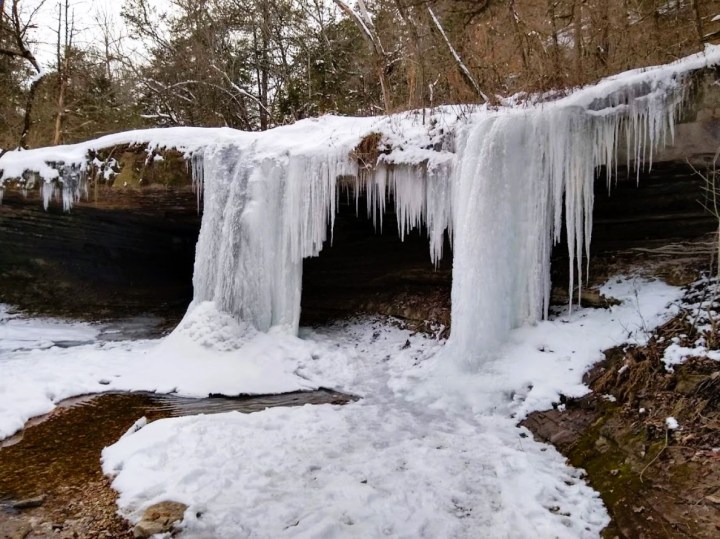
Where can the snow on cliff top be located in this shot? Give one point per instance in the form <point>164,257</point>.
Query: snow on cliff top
<point>413,135</point>
<point>405,133</point>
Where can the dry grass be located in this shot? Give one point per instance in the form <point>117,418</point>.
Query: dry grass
<point>366,153</point>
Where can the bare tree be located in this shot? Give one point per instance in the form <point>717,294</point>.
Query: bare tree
<point>698,20</point>
<point>711,188</point>
<point>19,30</point>
<point>65,36</point>
<point>578,36</point>
<point>364,22</point>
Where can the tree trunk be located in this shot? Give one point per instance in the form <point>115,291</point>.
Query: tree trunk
<point>57,136</point>
<point>27,118</point>
<point>387,100</point>
<point>603,52</point>
<point>555,39</point>
<point>519,35</point>
<point>366,27</point>
<point>698,21</point>
<point>577,27</point>
<point>264,120</point>
<point>416,74</point>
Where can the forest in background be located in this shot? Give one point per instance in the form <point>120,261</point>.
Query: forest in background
<point>253,65</point>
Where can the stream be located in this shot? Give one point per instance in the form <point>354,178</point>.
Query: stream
<point>63,448</point>
<point>50,472</point>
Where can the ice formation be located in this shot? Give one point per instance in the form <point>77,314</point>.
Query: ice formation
<point>505,183</point>
<point>517,178</point>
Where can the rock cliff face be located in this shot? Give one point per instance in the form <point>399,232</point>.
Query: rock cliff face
<point>372,271</point>
<point>134,256</point>
<point>667,201</point>
<point>125,250</point>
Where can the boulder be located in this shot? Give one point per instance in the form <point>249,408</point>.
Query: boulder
<point>14,529</point>
<point>159,518</point>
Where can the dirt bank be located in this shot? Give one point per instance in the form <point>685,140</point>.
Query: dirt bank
<point>656,481</point>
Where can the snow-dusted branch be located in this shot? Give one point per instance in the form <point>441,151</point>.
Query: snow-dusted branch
<point>239,90</point>
<point>463,68</point>
<point>363,21</point>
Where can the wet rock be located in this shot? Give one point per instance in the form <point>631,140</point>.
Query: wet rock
<point>602,444</point>
<point>588,298</point>
<point>563,437</point>
<point>159,518</point>
<point>128,251</point>
<point>41,529</point>
<point>14,529</point>
<point>29,503</point>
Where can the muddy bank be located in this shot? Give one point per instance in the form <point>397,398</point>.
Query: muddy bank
<point>51,481</point>
<point>655,481</point>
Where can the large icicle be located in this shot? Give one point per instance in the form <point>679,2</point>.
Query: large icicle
<point>262,216</point>
<point>518,173</point>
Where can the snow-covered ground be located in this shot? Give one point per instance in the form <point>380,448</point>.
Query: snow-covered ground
<point>18,333</point>
<point>431,449</point>
<point>35,373</point>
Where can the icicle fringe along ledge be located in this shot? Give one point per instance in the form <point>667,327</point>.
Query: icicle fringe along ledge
<point>497,180</point>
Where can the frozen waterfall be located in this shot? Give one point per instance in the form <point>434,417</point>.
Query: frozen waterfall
<point>516,177</point>
<point>505,183</point>
<point>519,176</point>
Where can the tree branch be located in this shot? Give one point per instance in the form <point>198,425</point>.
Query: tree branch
<point>463,68</point>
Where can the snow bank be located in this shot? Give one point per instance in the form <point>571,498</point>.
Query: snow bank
<point>539,363</point>
<point>37,373</point>
<point>383,466</point>
<point>17,332</point>
<point>430,451</point>
<point>319,471</point>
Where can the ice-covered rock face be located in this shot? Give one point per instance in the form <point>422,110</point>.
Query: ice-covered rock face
<point>508,184</point>
<point>517,177</point>
<point>263,214</point>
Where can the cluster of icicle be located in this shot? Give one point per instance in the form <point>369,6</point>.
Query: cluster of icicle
<point>67,187</point>
<point>518,173</point>
<point>263,215</point>
<point>518,176</point>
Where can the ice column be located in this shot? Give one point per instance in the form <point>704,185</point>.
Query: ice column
<point>519,175</point>
<point>262,216</point>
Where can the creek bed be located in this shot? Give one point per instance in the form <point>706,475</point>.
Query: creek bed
<point>61,450</point>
